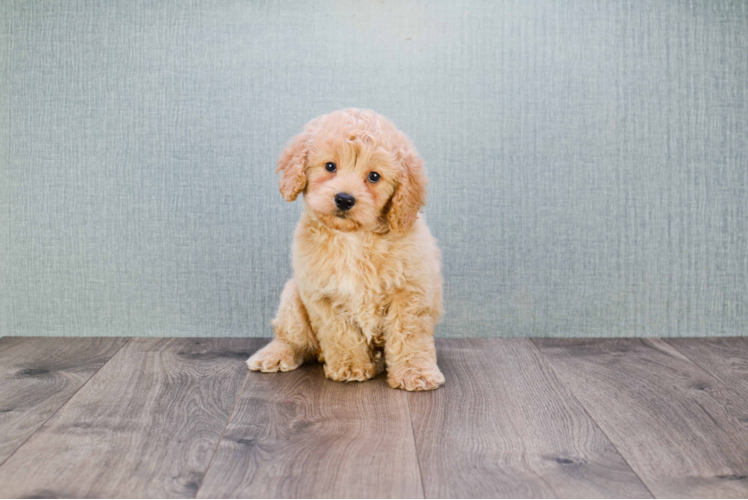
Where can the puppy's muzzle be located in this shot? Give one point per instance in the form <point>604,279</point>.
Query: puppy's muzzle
<point>344,201</point>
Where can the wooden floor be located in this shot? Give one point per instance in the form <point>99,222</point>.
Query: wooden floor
<point>115,417</point>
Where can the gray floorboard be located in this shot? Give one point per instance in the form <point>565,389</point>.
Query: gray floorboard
<point>726,358</point>
<point>38,376</point>
<point>543,418</point>
<point>300,435</point>
<point>146,425</point>
<point>682,430</point>
<point>504,426</point>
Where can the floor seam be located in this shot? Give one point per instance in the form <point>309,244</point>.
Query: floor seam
<point>415,446</point>
<point>223,432</point>
<point>584,409</point>
<point>66,402</point>
<point>699,366</point>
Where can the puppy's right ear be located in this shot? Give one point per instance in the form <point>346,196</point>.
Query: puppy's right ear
<point>292,166</point>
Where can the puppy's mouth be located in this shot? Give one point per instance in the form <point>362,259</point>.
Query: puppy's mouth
<point>340,220</point>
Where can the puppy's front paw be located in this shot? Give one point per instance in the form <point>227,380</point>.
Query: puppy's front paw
<point>416,379</point>
<point>275,356</point>
<point>348,372</point>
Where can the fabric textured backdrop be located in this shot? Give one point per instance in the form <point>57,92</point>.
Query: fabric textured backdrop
<point>588,158</point>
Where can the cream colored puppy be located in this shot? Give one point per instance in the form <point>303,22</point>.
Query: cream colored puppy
<point>367,285</point>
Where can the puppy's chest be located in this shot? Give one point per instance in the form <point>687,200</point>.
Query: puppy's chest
<point>354,276</point>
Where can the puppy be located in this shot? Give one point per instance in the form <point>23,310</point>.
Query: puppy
<point>367,285</point>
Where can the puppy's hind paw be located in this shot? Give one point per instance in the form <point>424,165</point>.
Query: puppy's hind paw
<point>276,356</point>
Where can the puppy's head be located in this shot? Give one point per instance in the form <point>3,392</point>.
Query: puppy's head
<point>357,172</point>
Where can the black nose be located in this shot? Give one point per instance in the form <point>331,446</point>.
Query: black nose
<point>344,201</point>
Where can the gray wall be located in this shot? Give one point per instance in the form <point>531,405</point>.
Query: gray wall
<point>588,159</point>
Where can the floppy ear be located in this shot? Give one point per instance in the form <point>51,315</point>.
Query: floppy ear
<point>292,166</point>
<point>410,194</point>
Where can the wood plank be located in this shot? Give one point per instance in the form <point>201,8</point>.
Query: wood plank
<point>725,358</point>
<point>683,431</point>
<point>146,425</point>
<point>300,435</point>
<point>505,426</point>
<point>38,375</point>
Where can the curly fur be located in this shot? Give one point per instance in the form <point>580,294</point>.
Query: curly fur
<point>367,285</point>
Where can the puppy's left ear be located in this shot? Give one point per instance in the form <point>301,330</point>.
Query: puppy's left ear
<point>292,166</point>
<point>410,194</point>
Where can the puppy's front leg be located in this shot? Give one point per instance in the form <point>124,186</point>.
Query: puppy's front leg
<point>409,349</point>
<point>346,354</point>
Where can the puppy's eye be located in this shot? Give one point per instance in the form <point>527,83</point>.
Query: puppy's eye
<point>374,177</point>
<point>330,166</point>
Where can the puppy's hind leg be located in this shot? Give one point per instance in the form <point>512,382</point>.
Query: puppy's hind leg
<point>294,340</point>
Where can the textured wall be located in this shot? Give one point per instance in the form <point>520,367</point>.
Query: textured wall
<point>589,159</point>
